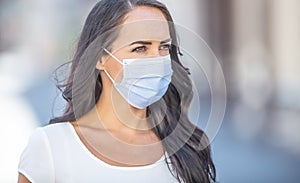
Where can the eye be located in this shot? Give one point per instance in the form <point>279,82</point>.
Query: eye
<point>139,49</point>
<point>165,47</point>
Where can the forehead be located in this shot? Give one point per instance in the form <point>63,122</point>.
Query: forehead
<point>144,13</point>
<point>142,23</point>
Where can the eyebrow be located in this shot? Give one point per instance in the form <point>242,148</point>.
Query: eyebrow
<point>149,43</point>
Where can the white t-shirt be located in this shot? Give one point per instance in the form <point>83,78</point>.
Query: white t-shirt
<point>55,153</point>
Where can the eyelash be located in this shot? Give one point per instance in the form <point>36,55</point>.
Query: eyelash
<point>138,49</point>
<point>166,46</point>
<point>144,48</point>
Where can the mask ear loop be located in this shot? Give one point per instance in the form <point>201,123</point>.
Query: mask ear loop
<point>108,75</point>
<point>113,56</point>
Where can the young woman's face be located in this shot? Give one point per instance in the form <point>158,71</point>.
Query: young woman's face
<point>144,33</point>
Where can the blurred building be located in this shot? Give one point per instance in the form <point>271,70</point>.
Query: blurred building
<point>257,43</point>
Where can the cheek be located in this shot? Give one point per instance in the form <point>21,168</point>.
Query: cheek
<point>115,70</point>
<point>114,67</point>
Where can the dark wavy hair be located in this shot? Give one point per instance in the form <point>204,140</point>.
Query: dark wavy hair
<point>190,155</point>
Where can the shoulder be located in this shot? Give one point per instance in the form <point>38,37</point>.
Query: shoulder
<point>55,126</point>
<point>37,159</point>
<point>40,143</point>
<point>49,130</point>
<point>52,135</point>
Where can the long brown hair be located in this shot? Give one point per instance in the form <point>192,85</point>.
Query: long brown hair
<point>188,146</point>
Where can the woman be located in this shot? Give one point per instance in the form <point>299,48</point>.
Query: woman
<point>127,97</point>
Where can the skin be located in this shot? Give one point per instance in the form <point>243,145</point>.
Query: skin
<point>120,129</point>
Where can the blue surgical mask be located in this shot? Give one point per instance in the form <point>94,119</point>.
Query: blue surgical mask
<point>145,80</point>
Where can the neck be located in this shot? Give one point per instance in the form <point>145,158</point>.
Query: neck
<point>116,114</point>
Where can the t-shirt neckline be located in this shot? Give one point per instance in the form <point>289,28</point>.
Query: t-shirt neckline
<point>91,155</point>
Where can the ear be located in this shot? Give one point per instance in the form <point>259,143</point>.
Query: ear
<point>100,65</point>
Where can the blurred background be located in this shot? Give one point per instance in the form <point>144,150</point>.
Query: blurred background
<point>257,43</point>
